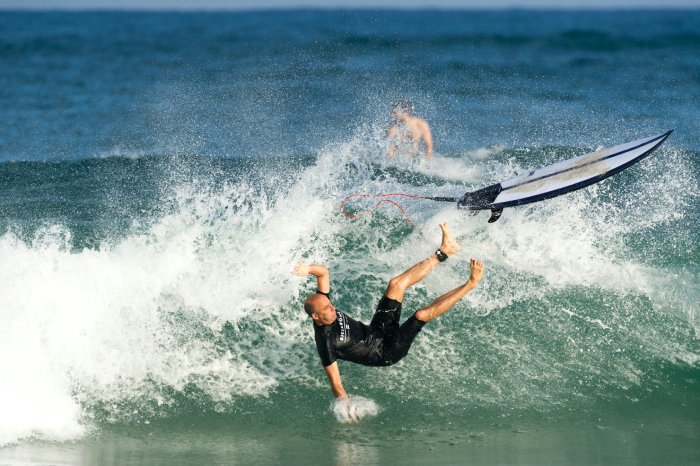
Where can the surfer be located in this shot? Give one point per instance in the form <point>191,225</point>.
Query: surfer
<point>407,131</point>
<point>383,342</point>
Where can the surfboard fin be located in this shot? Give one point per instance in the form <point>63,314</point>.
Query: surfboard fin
<point>495,215</point>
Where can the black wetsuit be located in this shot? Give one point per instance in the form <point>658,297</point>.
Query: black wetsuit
<point>381,343</point>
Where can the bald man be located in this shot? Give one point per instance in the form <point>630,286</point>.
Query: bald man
<point>383,342</point>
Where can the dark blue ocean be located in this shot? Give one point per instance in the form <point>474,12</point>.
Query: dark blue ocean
<point>161,173</point>
<point>87,85</point>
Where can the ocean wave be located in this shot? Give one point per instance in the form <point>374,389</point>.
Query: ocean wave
<point>195,310</point>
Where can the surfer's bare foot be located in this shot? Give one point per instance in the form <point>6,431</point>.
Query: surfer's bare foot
<point>449,246</point>
<point>477,267</point>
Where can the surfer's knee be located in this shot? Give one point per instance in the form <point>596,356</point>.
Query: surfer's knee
<point>422,315</point>
<point>396,288</point>
<point>425,314</point>
<point>397,284</point>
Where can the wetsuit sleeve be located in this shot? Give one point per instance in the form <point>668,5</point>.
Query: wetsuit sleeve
<point>324,347</point>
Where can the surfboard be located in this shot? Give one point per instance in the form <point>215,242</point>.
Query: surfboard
<point>560,178</point>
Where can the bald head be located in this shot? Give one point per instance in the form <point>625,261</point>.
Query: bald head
<point>315,303</point>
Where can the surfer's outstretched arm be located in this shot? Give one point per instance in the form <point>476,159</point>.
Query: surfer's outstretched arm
<point>339,392</point>
<point>323,278</point>
<point>334,378</point>
<point>449,299</point>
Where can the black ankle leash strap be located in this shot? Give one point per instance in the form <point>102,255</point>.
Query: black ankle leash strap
<point>442,257</point>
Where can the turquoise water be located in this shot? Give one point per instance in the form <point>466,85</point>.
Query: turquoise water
<point>161,173</point>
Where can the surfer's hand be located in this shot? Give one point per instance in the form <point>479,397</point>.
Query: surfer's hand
<point>348,411</point>
<point>301,269</point>
<point>477,271</point>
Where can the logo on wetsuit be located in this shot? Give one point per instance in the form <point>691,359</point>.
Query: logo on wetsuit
<point>344,327</point>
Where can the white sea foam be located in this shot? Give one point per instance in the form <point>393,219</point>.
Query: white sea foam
<point>93,326</point>
<point>93,321</point>
<point>353,409</point>
<point>122,152</point>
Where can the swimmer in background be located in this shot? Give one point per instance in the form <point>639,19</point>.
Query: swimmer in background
<point>407,131</point>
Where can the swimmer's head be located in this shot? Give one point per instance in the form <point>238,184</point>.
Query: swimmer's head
<point>320,309</point>
<point>402,108</point>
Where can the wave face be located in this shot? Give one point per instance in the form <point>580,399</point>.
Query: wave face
<point>589,299</point>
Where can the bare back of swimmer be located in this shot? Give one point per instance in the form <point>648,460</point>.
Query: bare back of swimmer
<point>407,132</point>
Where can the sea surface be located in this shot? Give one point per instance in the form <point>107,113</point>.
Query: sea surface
<point>161,173</point>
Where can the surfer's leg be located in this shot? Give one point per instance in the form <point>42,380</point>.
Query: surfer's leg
<point>386,318</point>
<point>396,348</point>
<point>449,299</point>
<point>398,285</point>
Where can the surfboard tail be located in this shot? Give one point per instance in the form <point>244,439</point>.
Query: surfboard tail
<point>479,199</point>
